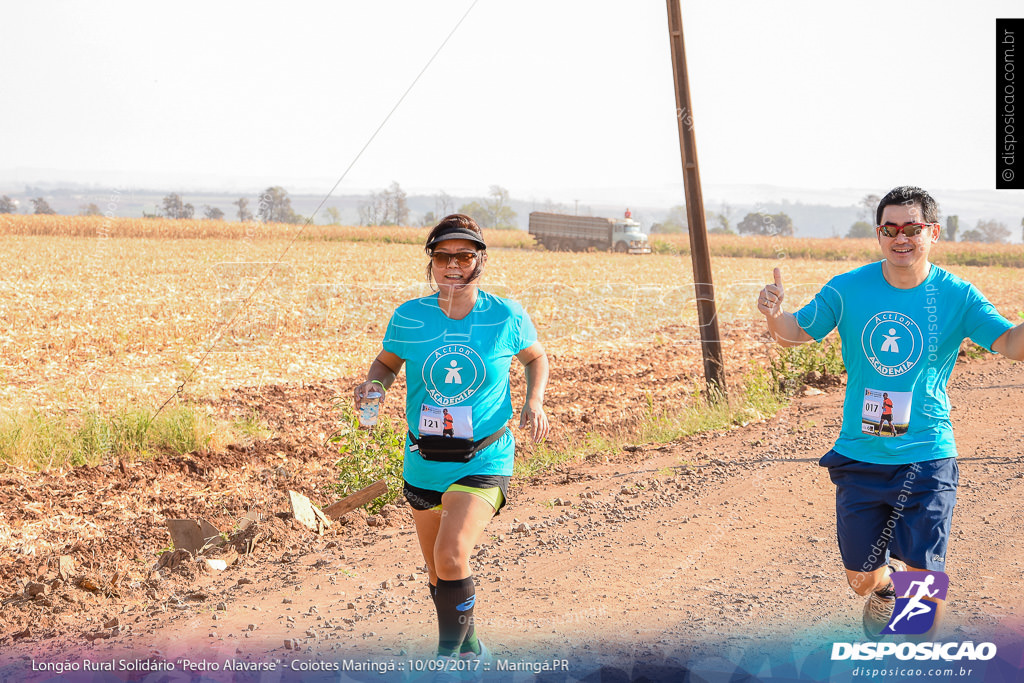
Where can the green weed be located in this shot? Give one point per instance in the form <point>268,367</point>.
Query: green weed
<point>794,366</point>
<point>251,428</point>
<point>367,455</point>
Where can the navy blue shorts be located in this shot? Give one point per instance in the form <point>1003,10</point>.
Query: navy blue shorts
<point>899,510</point>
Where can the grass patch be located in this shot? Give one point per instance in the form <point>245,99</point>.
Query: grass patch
<point>250,428</point>
<point>545,457</point>
<point>795,366</point>
<point>973,351</point>
<point>757,399</point>
<point>36,441</point>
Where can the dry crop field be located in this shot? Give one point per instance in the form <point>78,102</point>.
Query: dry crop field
<point>99,314</point>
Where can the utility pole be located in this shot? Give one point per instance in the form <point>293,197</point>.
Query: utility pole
<point>707,318</point>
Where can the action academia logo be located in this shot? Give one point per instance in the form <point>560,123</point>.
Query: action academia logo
<point>453,373</point>
<point>913,614</point>
<point>892,343</point>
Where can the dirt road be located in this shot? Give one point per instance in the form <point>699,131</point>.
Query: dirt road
<point>692,553</point>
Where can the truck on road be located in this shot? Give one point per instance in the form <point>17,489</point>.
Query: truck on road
<point>559,232</point>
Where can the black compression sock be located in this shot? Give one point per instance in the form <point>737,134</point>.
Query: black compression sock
<point>454,602</point>
<point>469,643</point>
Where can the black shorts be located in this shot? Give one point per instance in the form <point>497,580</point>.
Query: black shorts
<point>427,499</point>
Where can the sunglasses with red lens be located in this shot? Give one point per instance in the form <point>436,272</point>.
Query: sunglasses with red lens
<point>463,259</point>
<point>908,229</point>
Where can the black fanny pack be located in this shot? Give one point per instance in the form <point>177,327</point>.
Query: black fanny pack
<point>450,449</point>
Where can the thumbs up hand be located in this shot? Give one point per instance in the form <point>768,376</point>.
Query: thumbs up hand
<point>769,301</point>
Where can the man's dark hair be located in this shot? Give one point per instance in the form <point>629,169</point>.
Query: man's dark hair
<point>908,195</point>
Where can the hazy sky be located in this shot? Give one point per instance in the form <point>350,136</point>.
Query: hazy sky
<point>554,99</point>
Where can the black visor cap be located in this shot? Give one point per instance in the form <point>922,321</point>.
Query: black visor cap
<point>457,234</point>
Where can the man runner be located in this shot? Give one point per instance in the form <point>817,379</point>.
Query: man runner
<point>449,424</point>
<point>886,414</point>
<point>895,496</point>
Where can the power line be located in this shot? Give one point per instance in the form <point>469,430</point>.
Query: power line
<point>273,266</point>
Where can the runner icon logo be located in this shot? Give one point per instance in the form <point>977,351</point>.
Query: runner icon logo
<point>454,375</point>
<point>913,614</point>
<point>890,344</point>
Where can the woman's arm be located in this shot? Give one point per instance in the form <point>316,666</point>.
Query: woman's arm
<point>535,360</point>
<point>380,376</point>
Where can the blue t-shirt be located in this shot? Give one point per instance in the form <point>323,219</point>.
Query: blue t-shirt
<point>457,380</point>
<point>899,348</point>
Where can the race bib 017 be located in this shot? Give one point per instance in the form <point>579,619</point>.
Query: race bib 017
<point>454,421</point>
<point>886,413</point>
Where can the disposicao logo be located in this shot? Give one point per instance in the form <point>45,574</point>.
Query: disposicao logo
<point>912,614</point>
<point>947,652</point>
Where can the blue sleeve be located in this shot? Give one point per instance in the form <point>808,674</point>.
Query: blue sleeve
<point>821,315</point>
<point>527,332</point>
<point>396,334</point>
<point>981,321</point>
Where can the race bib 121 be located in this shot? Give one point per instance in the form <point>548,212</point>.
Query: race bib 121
<point>454,421</point>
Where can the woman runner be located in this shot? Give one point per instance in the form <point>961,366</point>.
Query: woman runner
<point>457,346</point>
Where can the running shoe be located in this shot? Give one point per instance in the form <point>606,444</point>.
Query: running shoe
<point>879,605</point>
<point>477,663</point>
<point>445,669</point>
<point>484,655</point>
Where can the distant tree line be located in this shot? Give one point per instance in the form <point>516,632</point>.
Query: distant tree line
<point>275,206</point>
<point>387,207</point>
<point>495,212</point>
<point>39,206</point>
<point>721,222</point>
<point>390,207</point>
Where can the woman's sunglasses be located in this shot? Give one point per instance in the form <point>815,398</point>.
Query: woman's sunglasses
<point>909,229</point>
<point>463,259</point>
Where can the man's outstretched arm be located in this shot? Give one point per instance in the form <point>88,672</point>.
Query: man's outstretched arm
<point>1011,343</point>
<point>781,325</point>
